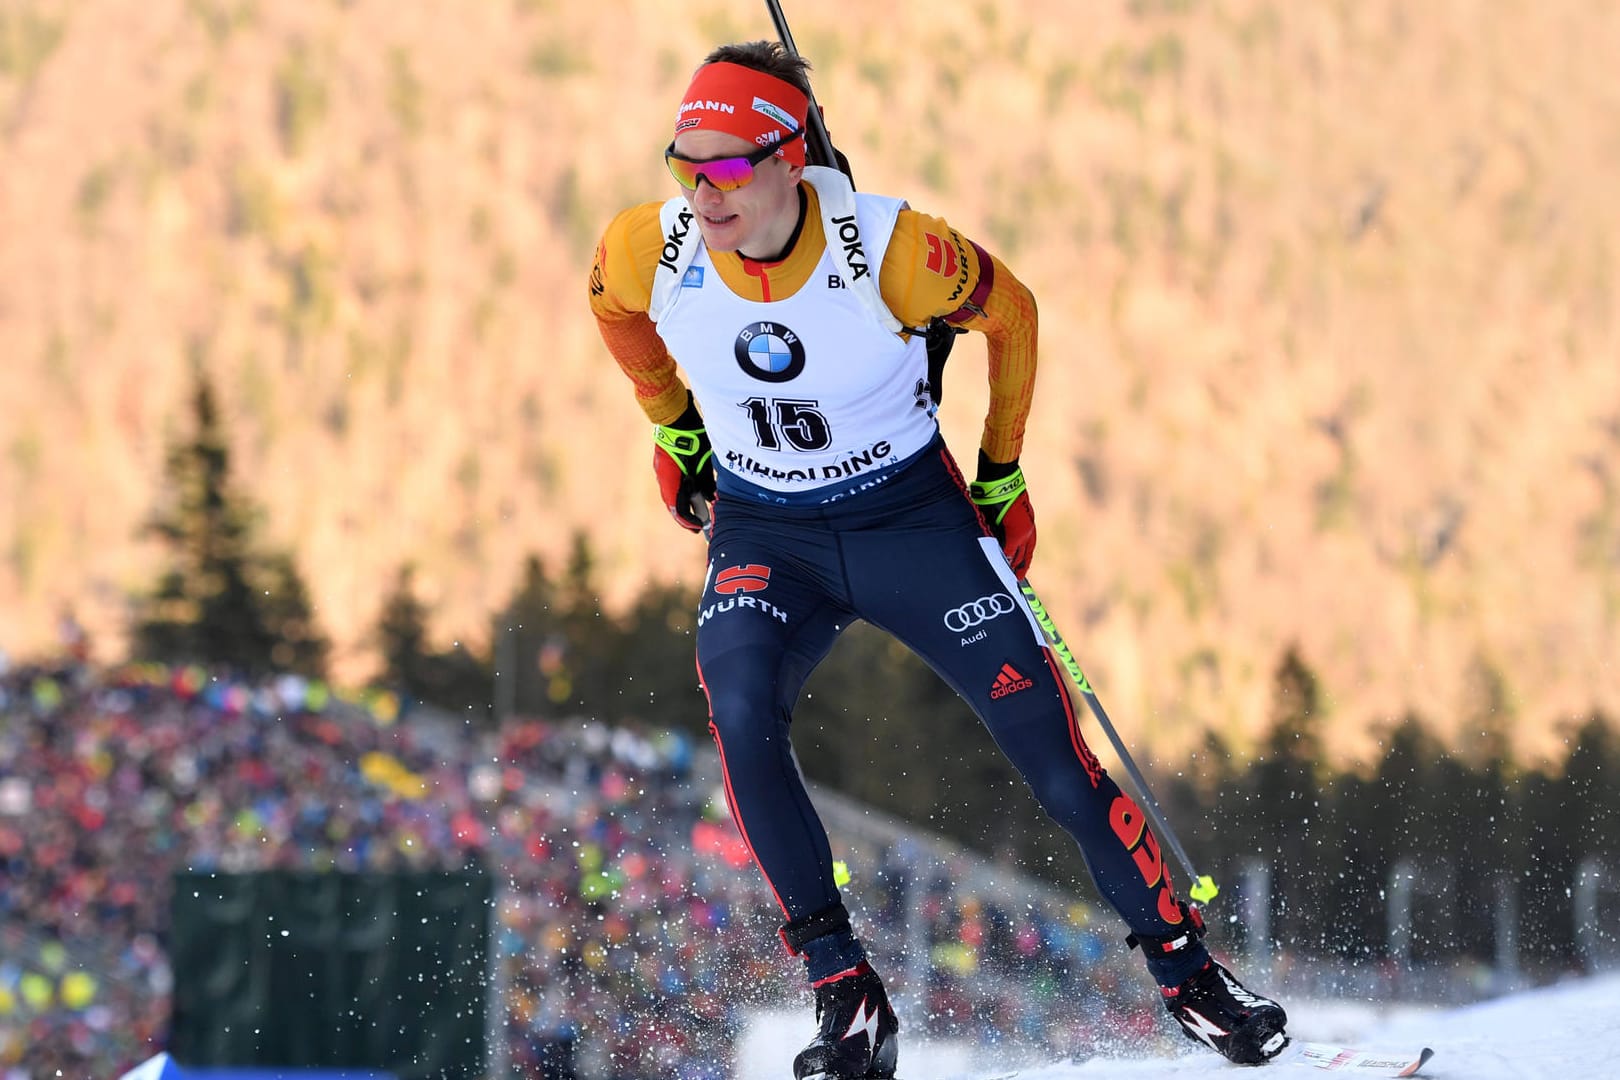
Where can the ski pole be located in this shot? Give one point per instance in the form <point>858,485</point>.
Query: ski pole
<point>1203,888</point>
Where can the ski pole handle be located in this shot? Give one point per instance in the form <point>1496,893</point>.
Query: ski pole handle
<point>700,507</point>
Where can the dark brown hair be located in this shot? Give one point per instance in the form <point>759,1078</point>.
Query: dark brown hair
<point>771,57</point>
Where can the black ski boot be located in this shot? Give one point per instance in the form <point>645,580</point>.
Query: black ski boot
<point>1213,1008</point>
<point>859,1038</point>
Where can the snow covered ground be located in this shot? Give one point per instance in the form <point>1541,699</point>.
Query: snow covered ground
<point>1569,1032</point>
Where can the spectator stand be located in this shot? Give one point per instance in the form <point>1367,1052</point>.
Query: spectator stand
<point>632,939</point>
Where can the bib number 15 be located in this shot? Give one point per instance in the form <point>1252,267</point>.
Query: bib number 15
<point>779,421</point>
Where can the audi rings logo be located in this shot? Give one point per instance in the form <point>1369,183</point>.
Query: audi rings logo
<point>978,611</point>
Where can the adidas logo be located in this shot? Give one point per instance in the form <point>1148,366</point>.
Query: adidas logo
<point>1009,681</point>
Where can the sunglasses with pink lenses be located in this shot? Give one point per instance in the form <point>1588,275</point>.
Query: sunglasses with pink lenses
<point>724,173</point>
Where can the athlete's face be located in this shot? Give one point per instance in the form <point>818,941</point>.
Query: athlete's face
<point>756,219</point>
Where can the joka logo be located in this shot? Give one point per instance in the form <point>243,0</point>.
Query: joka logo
<point>769,352</point>
<point>735,579</point>
<point>1009,681</point>
<point>941,256</point>
<point>849,236</point>
<point>598,280</point>
<point>675,239</point>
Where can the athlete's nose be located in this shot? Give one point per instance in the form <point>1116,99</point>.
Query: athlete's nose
<point>708,194</point>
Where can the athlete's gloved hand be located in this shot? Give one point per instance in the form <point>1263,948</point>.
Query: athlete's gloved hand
<point>684,464</point>
<point>1003,499</point>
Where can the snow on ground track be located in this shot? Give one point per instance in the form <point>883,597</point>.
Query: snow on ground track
<point>1566,1032</point>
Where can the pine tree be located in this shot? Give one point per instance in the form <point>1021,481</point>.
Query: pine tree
<point>1486,830</point>
<point>401,635</point>
<point>1419,794</point>
<point>558,653</point>
<point>1592,789</point>
<point>657,651</point>
<point>297,643</point>
<point>1288,796</point>
<point>455,680</point>
<point>220,600</point>
<point>535,661</point>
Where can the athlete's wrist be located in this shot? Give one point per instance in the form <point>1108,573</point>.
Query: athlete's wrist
<point>1002,499</point>
<point>990,471</point>
<point>683,461</point>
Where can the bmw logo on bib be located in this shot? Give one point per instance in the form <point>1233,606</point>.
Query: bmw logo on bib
<point>769,352</point>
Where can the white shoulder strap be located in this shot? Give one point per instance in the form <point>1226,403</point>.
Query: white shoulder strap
<point>842,219</point>
<point>681,243</point>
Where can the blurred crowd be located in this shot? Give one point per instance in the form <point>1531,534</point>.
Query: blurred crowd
<point>632,934</point>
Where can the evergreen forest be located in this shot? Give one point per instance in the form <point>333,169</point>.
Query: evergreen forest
<point>878,725</point>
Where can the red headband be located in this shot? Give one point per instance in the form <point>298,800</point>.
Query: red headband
<point>747,103</point>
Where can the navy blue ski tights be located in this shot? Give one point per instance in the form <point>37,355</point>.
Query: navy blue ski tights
<point>912,557</point>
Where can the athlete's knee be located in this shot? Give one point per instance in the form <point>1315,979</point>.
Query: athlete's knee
<point>737,691</point>
<point>1070,794</point>
<point>743,712</point>
<point>1062,801</point>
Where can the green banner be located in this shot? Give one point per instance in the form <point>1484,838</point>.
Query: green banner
<point>373,971</point>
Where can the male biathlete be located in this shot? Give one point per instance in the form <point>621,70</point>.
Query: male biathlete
<point>795,307</point>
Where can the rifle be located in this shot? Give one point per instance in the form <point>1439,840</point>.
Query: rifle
<point>939,336</point>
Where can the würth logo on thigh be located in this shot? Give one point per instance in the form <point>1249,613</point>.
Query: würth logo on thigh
<point>735,579</point>
<point>750,578</point>
<point>1009,680</point>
